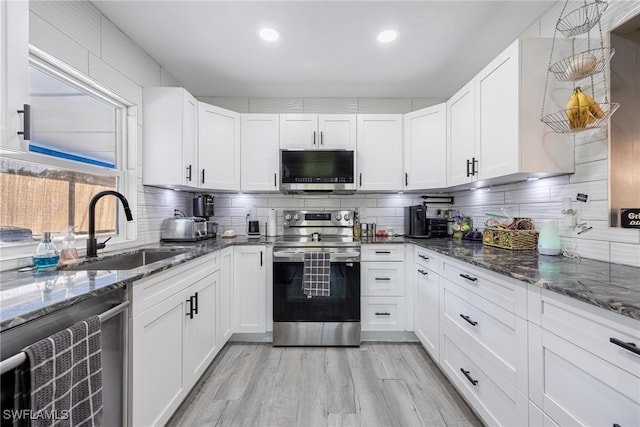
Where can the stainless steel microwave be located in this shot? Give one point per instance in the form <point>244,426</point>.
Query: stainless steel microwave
<point>317,171</point>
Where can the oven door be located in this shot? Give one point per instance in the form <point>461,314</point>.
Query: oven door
<point>291,305</point>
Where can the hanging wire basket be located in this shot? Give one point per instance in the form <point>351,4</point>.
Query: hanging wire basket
<point>582,65</point>
<point>581,20</point>
<point>560,122</point>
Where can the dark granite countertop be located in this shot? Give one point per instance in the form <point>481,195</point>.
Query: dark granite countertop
<point>26,295</point>
<point>614,287</point>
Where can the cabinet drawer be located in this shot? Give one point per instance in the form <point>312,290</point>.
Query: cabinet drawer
<point>383,314</point>
<point>149,291</point>
<point>387,252</point>
<point>493,333</point>
<point>509,295</point>
<point>575,387</point>
<point>382,279</point>
<point>427,260</point>
<point>497,402</point>
<point>594,332</point>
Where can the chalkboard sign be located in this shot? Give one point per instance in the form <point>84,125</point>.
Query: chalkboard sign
<point>630,218</point>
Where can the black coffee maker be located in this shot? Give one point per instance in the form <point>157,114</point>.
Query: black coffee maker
<point>203,208</point>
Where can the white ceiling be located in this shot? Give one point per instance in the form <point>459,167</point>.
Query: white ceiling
<point>328,48</point>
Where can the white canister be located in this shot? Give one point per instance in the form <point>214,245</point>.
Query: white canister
<point>272,226</point>
<point>549,240</point>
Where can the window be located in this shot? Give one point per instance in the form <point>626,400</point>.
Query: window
<point>76,150</point>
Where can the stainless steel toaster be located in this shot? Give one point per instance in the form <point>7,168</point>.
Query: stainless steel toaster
<point>184,229</point>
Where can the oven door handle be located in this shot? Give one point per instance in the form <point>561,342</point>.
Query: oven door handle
<point>299,257</point>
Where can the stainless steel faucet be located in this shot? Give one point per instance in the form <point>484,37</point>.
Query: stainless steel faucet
<point>92,242</point>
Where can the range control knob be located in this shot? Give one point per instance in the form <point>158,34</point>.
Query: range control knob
<point>296,217</point>
<point>287,217</point>
<point>338,216</point>
<point>347,217</point>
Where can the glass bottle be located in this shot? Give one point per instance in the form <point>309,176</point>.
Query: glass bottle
<point>69,253</point>
<point>46,254</point>
<point>356,225</point>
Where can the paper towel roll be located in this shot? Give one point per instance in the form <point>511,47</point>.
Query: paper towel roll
<point>272,227</point>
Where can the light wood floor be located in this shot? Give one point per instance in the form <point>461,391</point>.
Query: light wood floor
<point>374,385</point>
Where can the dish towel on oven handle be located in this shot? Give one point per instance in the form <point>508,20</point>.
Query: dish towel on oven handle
<point>61,381</point>
<point>316,274</point>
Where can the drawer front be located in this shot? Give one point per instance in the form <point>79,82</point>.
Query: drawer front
<point>496,402</point>
<point>427,259</point>
<point>383,314</point>
<point>382,279</point>
<point>508,295</point>
<point>580,388</point>
<point>387,252</point>
<point>496,334</point>
<point>149,291</point>
<point>610,341</point>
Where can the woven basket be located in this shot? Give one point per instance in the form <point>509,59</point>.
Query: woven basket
<point>516,240</point>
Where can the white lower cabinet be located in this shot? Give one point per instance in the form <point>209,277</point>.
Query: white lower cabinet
<point>249,292</point>
<point>382,284</point>
<point>427,327</point>
<point>225,299</point>
<point>578,376</point>
<point>494,398</point>
<point>172,337</point>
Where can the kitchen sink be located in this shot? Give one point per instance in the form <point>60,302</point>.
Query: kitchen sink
<point>129,260</point>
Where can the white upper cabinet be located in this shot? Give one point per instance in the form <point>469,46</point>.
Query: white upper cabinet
<point>337,131</point>
<point>317,131</point>
<point>494,121</point>
<point>170,137</point>
<point>379,162</point>
<point>461,136</point>
<point>425,148</point>
<point>14,72</point>
<point>259,148</point>
<point>218,148</point>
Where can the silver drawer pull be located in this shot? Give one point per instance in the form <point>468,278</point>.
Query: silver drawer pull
<point>384,313</point>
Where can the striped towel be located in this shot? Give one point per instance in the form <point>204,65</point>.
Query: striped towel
<point>317,270</point>
<point>61,381</point>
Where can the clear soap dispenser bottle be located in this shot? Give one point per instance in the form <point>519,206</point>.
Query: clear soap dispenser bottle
<point>46,255</point>
<point>69,253</point>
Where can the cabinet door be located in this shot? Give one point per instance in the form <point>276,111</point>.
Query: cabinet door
<point>259,152</point>
<point>425,148</point>
<point>157,382</point>
<point>497,115</point>
<point>427,325</point>
<point>200,343</point>
<point>218,148</point>
<point>379,152</point>
<point>337,131</point>
<point>461,136</point>
<point>225,302</point>
<point>299,131</point>
<point>170,137</point>
<point>250,288</point>
<point>14,72</point>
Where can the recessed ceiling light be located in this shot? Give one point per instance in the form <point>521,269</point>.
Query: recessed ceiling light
<point>387,36</point>
<point>269,34</point>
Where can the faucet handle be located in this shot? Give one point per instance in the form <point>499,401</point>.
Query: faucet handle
<point>103,244</point>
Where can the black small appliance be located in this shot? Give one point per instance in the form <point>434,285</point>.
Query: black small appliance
<point>419,226</point>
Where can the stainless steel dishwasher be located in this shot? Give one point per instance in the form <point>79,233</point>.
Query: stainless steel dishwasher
<point>114,342</point>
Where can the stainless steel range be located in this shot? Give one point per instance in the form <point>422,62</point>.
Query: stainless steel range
<point>301,318</point>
